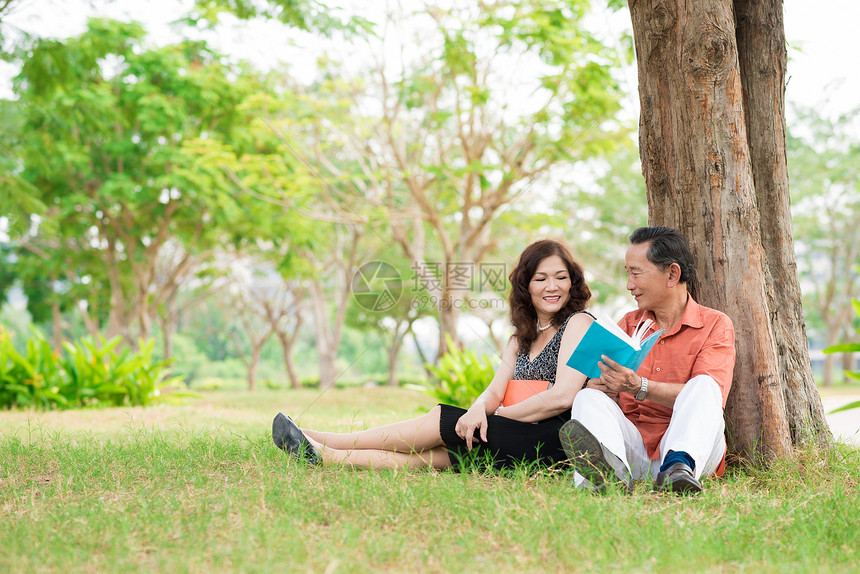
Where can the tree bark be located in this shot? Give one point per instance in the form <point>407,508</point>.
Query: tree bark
<point>324,336</point>
<point>287,350</point>
<point>697,164</point>
<point>760,34</point>
<point>57,322</point>
<point>847,365</point>
<point>400,330</point>
<point>829,360</point>
<point>252,367</point>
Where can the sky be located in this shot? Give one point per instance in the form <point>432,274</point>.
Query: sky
<point>821,37</point>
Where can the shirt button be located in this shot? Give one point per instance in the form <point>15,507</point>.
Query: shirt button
<point>661,342</point>
<point>658,368</point>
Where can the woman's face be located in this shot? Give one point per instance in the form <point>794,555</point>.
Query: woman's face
<point>550,287</point>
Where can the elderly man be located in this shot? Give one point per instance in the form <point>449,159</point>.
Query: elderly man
<point>666,419</point>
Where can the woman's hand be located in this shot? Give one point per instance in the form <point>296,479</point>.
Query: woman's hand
<point>474,419</point>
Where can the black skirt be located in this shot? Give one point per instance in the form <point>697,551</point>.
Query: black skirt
<point>509,442</point>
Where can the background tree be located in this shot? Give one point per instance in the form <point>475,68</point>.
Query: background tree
<point>19,200</point>
<point>126,146</point>
<point>320,207</point>
<point>253,289</point>
<point>387,302</point>
<point>597,215</point>
<point>712,143</point>
<point>823,156</point>
<point>451,152</point>
<point>307,15</point>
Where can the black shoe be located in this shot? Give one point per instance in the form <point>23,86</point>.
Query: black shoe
<point>678,478</point>
<point>590,458</point>
<point>289,437</point>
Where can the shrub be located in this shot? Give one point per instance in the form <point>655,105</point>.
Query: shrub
<point>86,373</point>
<point>459,378</point>
<point>34,379</point>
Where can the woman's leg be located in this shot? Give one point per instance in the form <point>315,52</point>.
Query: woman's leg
<point>405,437</point>
<point>377,459</point>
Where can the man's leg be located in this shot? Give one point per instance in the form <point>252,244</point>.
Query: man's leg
<point>696,429</point>
<point>603,419</point>
<point>697,426</point>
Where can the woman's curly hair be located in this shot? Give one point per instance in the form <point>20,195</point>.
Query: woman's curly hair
<point>523,314</point>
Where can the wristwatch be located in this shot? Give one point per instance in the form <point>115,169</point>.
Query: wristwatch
<point>643,390</point>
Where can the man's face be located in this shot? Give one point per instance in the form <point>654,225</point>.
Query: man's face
<point>645,281</point>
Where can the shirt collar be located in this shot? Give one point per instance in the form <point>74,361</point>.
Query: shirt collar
<point>692,317</point>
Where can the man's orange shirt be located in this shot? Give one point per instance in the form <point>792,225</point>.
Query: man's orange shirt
<point>701,343</point>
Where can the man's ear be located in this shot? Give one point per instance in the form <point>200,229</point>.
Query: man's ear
<point>674,275</point>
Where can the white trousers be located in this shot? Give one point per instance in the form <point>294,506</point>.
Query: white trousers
<point>696,427</point>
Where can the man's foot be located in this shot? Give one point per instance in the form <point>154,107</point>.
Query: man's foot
<point>289,437</point>
<point>678,478</point>
<point>590,458</point>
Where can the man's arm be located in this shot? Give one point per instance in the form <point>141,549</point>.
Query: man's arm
<point>616,378</point>
<point>716,358</point>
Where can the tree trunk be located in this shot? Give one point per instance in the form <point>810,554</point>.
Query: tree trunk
<point>325,340</point>
<point>827,373</point>
<point>289,364</point>
<point>328,368</point>
<point>393,351</point>
<point>168,321</point>
<point>91,325</point>
<point>57,322</point>
<point>424,361</point>
<point>116,323</point>
<point>448,318</point>
<point>762,56</point>
<point>698,170</point>
<point>830,360</point>
<point>252,367</point>
<point>847,365</point>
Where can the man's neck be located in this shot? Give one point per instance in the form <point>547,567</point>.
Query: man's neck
<point>670,312</point>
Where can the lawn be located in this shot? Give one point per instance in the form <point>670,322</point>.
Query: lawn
<point>200,488</point>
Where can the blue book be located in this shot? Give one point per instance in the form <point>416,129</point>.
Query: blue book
<point>605,337</point>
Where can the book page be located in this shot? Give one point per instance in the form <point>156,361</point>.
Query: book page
<point>640,331</point>
<point>613,328</point>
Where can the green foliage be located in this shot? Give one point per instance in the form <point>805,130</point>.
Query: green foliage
<point>87,373</point>
<point>596,227</point>
<point>460,377</point>
<point>848,348</point>
<point>308,15</point>
<point>131,147</point>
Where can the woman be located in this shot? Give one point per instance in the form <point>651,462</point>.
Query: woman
<point>548,293</point>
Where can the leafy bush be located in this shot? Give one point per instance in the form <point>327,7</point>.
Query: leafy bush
<point>85,374</point>
<point>460,377</point>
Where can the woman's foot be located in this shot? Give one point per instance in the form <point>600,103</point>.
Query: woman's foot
<point>289,437</point>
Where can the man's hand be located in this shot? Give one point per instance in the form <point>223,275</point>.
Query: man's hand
<point>597,385</point>
<point>474,419</point>
<point>617,378</point>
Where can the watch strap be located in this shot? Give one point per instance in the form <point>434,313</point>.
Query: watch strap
<point>643,390</point>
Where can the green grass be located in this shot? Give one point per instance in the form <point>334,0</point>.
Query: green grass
<point>200,488</point>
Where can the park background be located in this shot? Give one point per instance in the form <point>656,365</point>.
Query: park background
<point>229,305</point>
<point>246,189</point>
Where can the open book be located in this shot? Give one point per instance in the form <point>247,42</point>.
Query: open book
<point>605,337</point>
